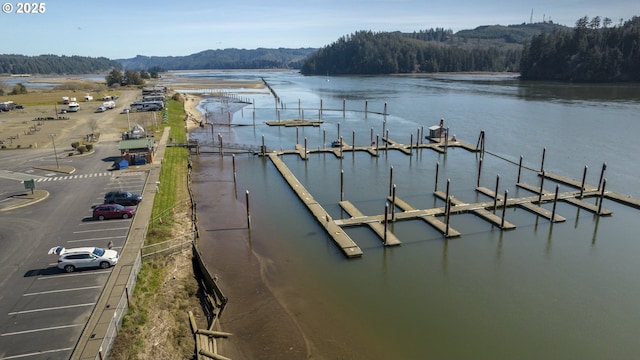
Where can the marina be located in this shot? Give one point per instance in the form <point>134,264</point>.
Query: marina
<point>517,293</point>
<point>378,223</point>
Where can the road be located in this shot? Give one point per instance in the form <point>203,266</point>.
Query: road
<point>42,309</point>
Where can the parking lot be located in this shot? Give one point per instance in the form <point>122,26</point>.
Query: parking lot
<point>43,310</point>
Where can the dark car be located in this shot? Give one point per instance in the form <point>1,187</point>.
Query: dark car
<point>113,211</point>
<point>124,198</point>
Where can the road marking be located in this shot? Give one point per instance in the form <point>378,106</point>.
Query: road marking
<point>50,309</point>
<point>72,177</point>
<point>41,329</point>
<point>97,239</point>
<point>74,274</point>
<point>35,353</point>
<point>94,230</point>
<point>63,290</point>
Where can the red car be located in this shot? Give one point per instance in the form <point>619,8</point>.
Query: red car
<point>113,211</point>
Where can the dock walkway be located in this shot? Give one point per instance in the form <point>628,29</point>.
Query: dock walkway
<point>485,210</point>
<point>346,244</point>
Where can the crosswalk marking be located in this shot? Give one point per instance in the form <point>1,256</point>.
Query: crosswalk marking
<point>87,176</point>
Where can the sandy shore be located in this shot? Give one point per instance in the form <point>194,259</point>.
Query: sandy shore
<point>194,116</point>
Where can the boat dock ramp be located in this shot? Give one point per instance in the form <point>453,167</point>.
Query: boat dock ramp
<point>439,217</point>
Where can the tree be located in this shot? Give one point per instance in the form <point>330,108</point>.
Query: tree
<point>18,88</point>
<point>114,77</point>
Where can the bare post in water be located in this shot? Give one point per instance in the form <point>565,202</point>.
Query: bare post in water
<point>393,204</point>
<point>386,219</point>
<point>479,172</point>
<point>544,151</point>
<point>555,202</point>
<point>604,184</point>
<point>519,169</point>
<point>495,197</point>
<point>604,167</point>
<point>390,179</point>
<point>341,184</point>
<point>248,211</point>
<point>584,178</point>
<point>504,208</point>
<point>437,170</point>
<point>541,186</point>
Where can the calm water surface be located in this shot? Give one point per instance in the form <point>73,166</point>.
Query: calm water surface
<point>564,290</point>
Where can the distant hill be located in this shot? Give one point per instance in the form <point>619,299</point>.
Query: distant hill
<point>500,35</point>
<point>223,59</point>
<point>54,64</point>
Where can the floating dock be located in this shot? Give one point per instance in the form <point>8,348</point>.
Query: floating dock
<point>344,242</point>
<point>484,210</point>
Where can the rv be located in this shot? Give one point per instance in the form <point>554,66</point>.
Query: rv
<point>109,104</point>
<point>7,106</point>
<point>88,98</point>
<point>152,98</point>
<point>147,106</point>
<point>65,100</point>
<point>73,107</point>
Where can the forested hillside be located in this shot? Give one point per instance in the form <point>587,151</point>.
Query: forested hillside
<point>54,64</point>
<point>365,52</point>
<point>223,59</point>
<point>592,51</point>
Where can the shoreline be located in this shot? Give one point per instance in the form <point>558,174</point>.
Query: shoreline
<point>262,325</point>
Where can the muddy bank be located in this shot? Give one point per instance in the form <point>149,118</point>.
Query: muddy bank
<point>261,326</point>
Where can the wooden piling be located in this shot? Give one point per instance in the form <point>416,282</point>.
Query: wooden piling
<point>519,169</point>
<point>544,151</point>
<point>341,184</point>
<point>604,167</point>
<point>504,208</point>
<point>495,198</point>
<point>604,184</point>
<point>584,178</point>
<point>248,210</point>
<point>386,219</point>
<point>437,170</point>
<point>555,202</point>
<point>393,204</point>
<point>479,172</point>
<point>541,188</point>
<point>390,179</point>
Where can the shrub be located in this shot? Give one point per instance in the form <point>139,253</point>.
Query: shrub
<point>81,149</point>
<point>89,147</point>
<point>75,144</point>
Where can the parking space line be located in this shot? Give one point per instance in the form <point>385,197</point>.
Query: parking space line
<point>63,290</point>
<point>109,229</point>
<point>50,309</point>
<point>98,239</point>
<point>41,329</point>
<point>35,354</point>
<point>74,274</point>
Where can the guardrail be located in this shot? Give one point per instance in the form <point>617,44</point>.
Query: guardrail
<point>121,310</point>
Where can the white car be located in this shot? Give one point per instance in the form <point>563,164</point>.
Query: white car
<point>84,257</point>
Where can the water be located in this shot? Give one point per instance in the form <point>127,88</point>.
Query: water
<point>564,290</point>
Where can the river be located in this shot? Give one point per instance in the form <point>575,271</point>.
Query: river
<point>542,290</point>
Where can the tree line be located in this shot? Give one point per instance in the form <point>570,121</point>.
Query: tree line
<point>54,64</point>
<point>366,52</point>
<point>593,51</point>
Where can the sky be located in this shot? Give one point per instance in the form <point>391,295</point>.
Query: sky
<point>119,29</point>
